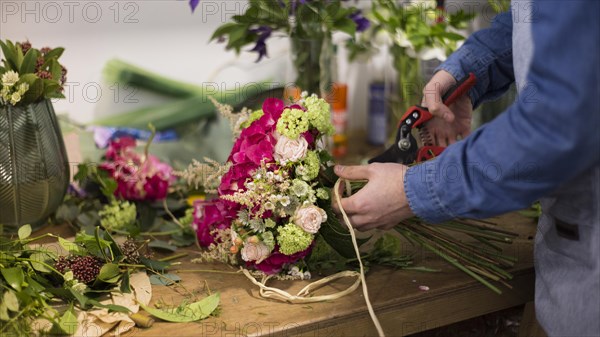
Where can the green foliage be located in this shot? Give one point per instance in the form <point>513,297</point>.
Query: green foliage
<point>302,21</point>
<point>411,27</point>
<point>39,74</point>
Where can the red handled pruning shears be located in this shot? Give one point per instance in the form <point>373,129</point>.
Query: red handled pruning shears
<point>405,149</point>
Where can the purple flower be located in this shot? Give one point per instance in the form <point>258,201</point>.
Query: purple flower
<point>194,4</point>
<point>362,23</point>
<point>263,32</point>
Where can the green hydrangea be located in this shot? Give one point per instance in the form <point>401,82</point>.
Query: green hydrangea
<point>268,239</point>
<point>319,114</point>
<point>322,193</point>
<point>310,166</point>
<point>300,188</point>
<point>292,123</point>
<point>117,215</point>
<point>293,239</point>
<point>254,116</point>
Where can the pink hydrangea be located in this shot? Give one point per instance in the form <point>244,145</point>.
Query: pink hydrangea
<point>138,178</point>
<point>277,261</point>
<point>208,216</point>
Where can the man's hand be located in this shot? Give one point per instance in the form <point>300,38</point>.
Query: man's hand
<point>449,123</point>
<point>382,202</point>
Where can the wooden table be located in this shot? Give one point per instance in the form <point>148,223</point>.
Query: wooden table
<point>401,307</point>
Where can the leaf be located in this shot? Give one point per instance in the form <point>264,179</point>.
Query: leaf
<point>36,262</point>
<point>10,54</point>
<point>29,61</point>
<point>110,307</point>
<point>125,284</point>
<point>158,266</point>
<point>206,306</point>
<point>189,313</point>
<point>11,301</point>
<point>4,311</point>
<point>13,276</point>
<point>109,273</point>
<point>54,53</point>
<point>164,279</point>
<point>67,324</point>
<point>82,299</point>
<point>71,247</point>
<point>24,232</point>
<point>160,244</point>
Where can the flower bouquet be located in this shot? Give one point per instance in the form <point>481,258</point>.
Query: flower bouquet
<point>130,194</point>
<point>274,192</point>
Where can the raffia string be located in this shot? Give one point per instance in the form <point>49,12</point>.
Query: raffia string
<point>338,200</point>
<point>304,295</point>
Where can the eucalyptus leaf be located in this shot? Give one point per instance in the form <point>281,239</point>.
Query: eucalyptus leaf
<point>187,313</point>
<point>24,232</point>
<point>29,61</point>
<point>164,279</point>
<point>39,261</point>
<point>109,273</point>
<point>14,277</point>
<point>158,266</point>
<point>71,247</point>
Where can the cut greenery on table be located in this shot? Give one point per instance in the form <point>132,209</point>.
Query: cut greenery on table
<point>39,283</point>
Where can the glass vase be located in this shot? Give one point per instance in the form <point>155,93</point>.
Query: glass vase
<point>34,169</point>
<point>404,86</point>
<point>312,62</point>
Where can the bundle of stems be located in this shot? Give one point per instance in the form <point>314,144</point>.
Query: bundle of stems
<point>480,258</point>
<point>191,101</point>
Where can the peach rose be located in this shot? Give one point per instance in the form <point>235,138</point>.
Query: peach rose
<point>288,149</point>
<point>255,252</point>
<point>310,218</point>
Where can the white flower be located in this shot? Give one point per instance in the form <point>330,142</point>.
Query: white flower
<point>285,201</point>
<point>22,89</point>
<point>15,98</point>
<point>401,39</point>
<point>10,78</point>
<point>255,252</point>
<point>310,218</point>
<point>382,38</point>
<point>79,287</point>
<point>430,53</point>
<point>288,149</point>
<point>269,206</point>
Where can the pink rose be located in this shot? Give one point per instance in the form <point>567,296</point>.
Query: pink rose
<point>288,149</point>
<point>255,252</point>
<point>310,218</point>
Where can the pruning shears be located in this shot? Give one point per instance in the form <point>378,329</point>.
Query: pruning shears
<point>405,149</point>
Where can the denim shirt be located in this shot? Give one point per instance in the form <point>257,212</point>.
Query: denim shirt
<point>545,146</point>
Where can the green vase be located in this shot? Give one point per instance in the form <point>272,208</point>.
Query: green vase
<point>34,169</point>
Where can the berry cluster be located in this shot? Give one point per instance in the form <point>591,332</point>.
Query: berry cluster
<point>85,268</point>
<point>131,250</point>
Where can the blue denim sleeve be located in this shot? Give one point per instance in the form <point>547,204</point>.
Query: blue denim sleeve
<point>488,54</point>
<point>545,139</point>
